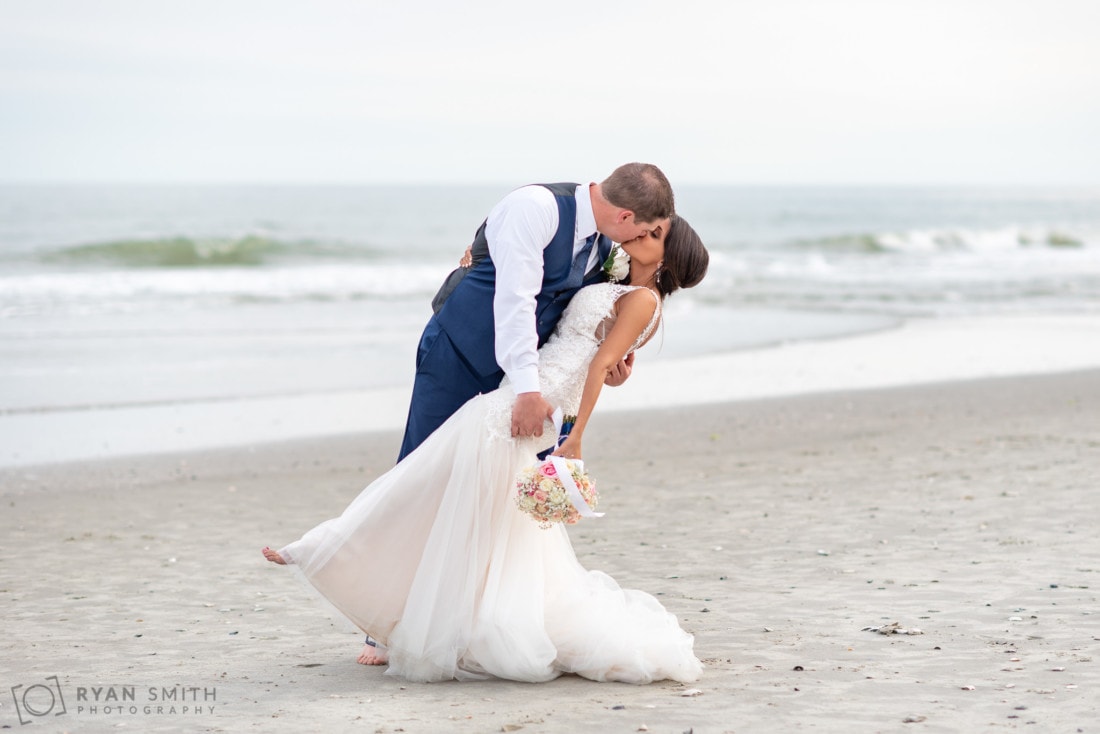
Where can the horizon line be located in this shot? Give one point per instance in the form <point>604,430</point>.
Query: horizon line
<point>487,183</point>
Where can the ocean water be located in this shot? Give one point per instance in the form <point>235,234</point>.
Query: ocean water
<point>118,297</point>
<point>79,250</point>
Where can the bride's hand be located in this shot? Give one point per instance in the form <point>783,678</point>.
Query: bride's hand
<point>467,258</point>
<point>570,448</point>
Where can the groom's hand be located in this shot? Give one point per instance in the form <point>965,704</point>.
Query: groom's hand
<point>617,375</point>
<point>529,413</point>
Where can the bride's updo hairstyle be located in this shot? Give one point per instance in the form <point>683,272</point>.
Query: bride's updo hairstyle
<point>686,259</point>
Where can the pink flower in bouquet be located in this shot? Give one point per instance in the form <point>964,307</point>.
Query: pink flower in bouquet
<point>548,469</point>
<point>540,496</point>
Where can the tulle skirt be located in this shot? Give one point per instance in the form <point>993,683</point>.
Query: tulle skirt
<point>435,561</point>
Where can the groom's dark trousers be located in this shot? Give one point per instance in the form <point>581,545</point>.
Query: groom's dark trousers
<point>456,359</point>
<point>444,382</point>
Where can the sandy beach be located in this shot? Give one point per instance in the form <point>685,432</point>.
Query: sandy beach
<point>776,529</point>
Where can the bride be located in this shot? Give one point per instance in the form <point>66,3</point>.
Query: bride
<point>435,561</point>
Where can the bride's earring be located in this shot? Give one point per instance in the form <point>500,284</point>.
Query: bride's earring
<point>659,266</point>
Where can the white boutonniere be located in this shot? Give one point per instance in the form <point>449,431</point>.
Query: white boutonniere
<point>617,265</point>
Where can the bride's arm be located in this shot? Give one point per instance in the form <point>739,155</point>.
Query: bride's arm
<point>635,311</point>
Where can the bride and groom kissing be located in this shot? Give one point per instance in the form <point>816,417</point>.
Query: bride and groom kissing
<point>433,559</point>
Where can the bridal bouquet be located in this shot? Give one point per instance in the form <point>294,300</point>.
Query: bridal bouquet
<point>557,490</point>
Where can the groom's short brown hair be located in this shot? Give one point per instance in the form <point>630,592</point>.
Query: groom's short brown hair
<point>642,188</point>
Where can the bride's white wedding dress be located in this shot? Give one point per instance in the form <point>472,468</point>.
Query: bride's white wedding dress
<point>435,560</point>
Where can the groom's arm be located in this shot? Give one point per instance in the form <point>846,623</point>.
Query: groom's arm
<point>518,229</point>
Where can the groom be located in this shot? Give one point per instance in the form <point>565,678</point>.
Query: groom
<point>538,247</point>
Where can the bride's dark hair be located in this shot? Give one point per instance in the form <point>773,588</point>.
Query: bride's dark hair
<point>686,259</point>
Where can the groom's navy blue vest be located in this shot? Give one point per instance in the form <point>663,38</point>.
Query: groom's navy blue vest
<point>467,314</point>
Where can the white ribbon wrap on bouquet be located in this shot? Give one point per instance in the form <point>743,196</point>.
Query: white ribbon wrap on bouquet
<point>566,477</point>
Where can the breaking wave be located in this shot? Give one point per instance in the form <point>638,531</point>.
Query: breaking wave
<point>946,240</point>
<point>184,252</point>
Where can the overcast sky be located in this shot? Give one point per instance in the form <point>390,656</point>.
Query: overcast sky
<point>728,91</point>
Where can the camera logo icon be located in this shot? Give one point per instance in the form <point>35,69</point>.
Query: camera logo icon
<point>38,700</point>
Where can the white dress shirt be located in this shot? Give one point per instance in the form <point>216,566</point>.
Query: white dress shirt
<point>517,230</point>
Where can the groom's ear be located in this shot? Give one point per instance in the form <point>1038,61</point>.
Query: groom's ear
<point>625,215</point>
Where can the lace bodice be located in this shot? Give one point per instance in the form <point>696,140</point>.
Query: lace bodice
<point>564,359</point>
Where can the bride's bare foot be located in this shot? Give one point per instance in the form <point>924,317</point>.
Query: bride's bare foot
<point>273,556</point>
<point>372,655</point>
